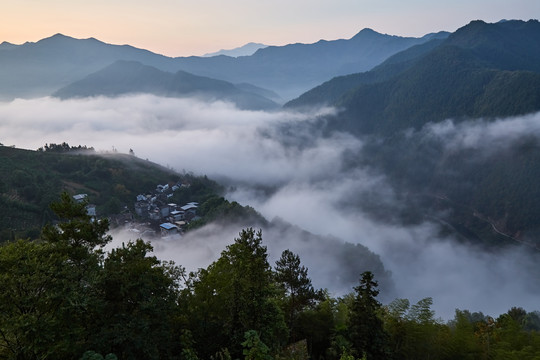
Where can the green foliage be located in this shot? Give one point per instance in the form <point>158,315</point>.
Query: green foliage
<point>413,331</point>
<point>77,229</point>
<point>254,348</point>
<point>140,296</point>
<point>61,296</point>
<point>64,147</point>
<point>92,355</point>
<point>31,180</point>
<point>236,294</point>
<point>294,351</point>
<point>296,285</point>
<point>366,327</point>
<point>218,209</point>
<point>33,300</point>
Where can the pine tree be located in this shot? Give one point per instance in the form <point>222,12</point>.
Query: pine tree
<point>366,327</point>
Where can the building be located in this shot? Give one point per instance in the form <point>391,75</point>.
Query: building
<point>168,229</point>
<point>79,198</point>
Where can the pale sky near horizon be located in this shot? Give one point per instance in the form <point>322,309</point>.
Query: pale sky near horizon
<point>182,28</point>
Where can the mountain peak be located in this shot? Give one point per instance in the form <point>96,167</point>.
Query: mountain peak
<point>366,32</point>
<point>59,36</point>
<point>55,39</point>
<point>7,45</point>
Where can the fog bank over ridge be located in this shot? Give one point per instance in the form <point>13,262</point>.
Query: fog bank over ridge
<point>306,184</point>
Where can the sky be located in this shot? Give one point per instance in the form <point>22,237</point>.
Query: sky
<point>183,28</point>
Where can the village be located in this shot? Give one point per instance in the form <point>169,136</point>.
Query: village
<point>155,214</point>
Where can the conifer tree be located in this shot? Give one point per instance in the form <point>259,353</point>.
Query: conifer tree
<point>366,327</point>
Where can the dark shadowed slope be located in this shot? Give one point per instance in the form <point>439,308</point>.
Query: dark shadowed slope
<point>482,70</point>
<point>130,77</point>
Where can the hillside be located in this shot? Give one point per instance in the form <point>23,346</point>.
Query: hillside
<point>332,90</point>
<point>130,77</point>
<point>31,180</point>
<point>481,70</point>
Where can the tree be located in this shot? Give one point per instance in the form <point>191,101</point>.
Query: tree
<point>76,227</point>
<point>48,297</point>
<point>139,295</point>
<point>296,285</point>
<point>80,239</point>
<point>233,295</point>
<point>33,299</point>
<point>464,344</point>
<point>412,330</point>
<point>366,327</point>
<point>254,348</point>
<point>318,326</point>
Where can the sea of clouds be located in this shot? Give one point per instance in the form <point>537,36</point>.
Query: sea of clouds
<point>309,187</point>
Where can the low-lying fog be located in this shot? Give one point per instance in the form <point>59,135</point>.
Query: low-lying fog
<point>246,149</point>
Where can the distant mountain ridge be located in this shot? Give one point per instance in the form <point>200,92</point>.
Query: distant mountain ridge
<point>43,67</point>
<point>292,69</point>
<point>245,50</point>
<point>40,68</point>
<point>480,70</point>
<point>131,77</point>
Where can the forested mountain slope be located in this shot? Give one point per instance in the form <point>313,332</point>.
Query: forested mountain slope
<point>478,75</point>
<point>481,70</point>
<point>31,180</point>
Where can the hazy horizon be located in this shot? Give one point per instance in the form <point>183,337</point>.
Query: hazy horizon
<point>186,28</point>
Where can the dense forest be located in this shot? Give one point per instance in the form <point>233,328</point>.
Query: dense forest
<point>64,297</point>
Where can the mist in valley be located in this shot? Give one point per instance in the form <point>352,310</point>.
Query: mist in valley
<point>306,184</point>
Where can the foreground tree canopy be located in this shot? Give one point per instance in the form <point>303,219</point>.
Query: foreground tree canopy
<point>63,297</point>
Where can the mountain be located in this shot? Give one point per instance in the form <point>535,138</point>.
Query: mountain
<point>485,193</point>
<point>269,94</point>
<point>7,45</point>
<point>131,77</point>
<point>38,69</point>
<point>43,67</point>
<point>245,50</point>
<point>292,69</point>
<point>481,70</point>
<point>330,91</point>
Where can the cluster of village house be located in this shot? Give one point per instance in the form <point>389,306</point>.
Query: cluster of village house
<point>154,208</point>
